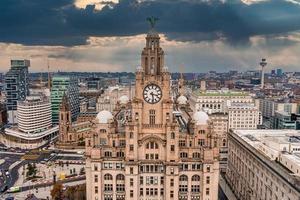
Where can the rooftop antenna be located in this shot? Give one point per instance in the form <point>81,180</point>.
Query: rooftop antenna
<point>49,76</point>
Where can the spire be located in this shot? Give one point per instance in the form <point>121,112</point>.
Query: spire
<point>49,76</point>
<point>181,82</point>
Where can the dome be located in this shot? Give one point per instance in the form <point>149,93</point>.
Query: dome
<point>104,116</point>
<point>165,69</point>
<point>200,118</point>
<point>139,69</point>
<point>124,99</point>
<point>182,100</point>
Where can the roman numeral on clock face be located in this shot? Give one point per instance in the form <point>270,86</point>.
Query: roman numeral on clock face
<point>152,93</point>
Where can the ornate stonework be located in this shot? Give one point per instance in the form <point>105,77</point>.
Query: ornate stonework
<point>146,151</point>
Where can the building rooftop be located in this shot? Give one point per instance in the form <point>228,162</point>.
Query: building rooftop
<point>282,146</point>
<point>223,92</point>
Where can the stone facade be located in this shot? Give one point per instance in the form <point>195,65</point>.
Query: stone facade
<point>72,134</point>
<point>142,152</point>
<point>256,165</point>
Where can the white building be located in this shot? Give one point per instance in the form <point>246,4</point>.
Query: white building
<point>264,164</point>
<point>34,125</point>
<point>218,100</point>
<point>34,115</point>
<point>243,116</point>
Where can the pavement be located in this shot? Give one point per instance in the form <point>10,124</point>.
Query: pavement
<point>43,190</point>
<point>11,161</point>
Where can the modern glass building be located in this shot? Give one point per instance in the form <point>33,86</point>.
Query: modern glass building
<point>16,87</point>
<point>64,85</point>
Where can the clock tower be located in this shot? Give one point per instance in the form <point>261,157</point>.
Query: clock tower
<point>150,148</point>
<point>153,85</point>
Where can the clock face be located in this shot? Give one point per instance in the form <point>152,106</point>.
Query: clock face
<point>152,93</point>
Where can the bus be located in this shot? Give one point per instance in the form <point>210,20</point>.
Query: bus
<point>14,189</point>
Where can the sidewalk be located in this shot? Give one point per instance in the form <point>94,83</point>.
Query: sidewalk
<point>43,192</point>
<point>47,172</point>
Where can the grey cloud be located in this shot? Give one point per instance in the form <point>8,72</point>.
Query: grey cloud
<point>59,22</point>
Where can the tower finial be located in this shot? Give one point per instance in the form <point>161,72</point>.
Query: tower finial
<point>152,20</point>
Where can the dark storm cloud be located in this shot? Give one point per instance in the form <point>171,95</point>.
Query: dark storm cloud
<point>59,22</point>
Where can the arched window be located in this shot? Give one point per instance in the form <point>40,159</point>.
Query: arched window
<point>224,143</point>
<point>196,178</point>
<point>102,131</point>
<point>183,178</point>
<point>120,177</point>
<point>152,145</point>
<point>172,135</point>
<point>108,177</point>
<point>107,154</point>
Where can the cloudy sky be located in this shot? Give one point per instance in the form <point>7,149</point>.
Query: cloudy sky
<point>108,35</point>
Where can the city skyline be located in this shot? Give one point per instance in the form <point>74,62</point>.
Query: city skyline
<point>197,36</point>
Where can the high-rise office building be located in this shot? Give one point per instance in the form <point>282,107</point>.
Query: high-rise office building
<point>16,87</point>
<point>64,85</point>
<point>144,151</point>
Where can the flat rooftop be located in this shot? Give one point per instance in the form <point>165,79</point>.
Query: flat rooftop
<point>228,93</point>
<point>280,146</point>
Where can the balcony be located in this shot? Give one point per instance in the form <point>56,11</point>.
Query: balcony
<point>152,126</point>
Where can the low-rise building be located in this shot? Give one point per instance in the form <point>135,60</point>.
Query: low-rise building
<point>264,164</point>
<point>218,100</point>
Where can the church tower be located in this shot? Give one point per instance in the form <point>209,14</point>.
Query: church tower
<point>65,120</point>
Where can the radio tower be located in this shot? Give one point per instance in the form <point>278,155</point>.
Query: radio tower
<point>263,63</point>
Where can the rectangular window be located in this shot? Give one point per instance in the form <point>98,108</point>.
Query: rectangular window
<point>131,182</point>
<point>131,193</point>
<point>131,170</point>
<point>173,148</point>
<point>171,182</point>
<point>131,147</point>
<point>207,191</point>
<point>151,117</point>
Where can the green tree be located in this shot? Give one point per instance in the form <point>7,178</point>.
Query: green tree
<point>31,170</point>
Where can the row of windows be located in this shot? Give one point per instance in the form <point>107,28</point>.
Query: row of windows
<point>110,166</point>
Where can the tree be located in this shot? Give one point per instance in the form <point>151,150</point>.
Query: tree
<point>31,170</point>
<point>77,192</point>
<point>57,191</point>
